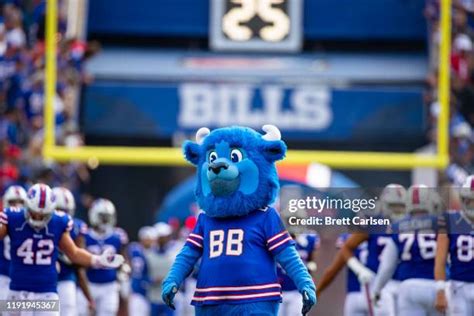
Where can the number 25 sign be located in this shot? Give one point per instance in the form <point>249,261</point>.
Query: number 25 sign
<point>256,25</point>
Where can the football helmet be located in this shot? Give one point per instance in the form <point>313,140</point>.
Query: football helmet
<point>102,214</point>
<point>467,196</point>
<point>40,205</point>
<point>419,199</point>
<point>147,232</point>
<point>64,200</point>
<point>14,196</point>
<point>393,201</point>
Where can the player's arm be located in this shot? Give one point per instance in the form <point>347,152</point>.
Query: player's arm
<point>351,244</point>
<point>364,274</point>
<point>442,246</point>
<point>84,258</point>
<point>3,224</point>
<point>343,256</point>
<point>388,264</point>
<point>84,286</point>
<point>81,273</point>
<point>3,230</point>
<point>331,272</point>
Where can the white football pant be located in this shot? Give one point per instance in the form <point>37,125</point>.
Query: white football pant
<point>417,298</point>
<point>67,297</point>
<point>460,296</point>
<point>105,296</point>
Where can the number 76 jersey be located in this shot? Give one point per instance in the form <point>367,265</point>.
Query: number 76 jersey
<point>238,264</point>
<point>415,238</point>
<point>34,252</point>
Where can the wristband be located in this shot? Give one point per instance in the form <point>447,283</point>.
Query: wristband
<point>440,285</point>
<point>95,262</point>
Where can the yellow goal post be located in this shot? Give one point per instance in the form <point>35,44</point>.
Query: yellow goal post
<point>173,156</point>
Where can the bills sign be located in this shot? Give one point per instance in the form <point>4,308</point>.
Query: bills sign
<point>301,112</point>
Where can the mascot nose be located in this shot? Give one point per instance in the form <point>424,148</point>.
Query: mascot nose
<point>216,167</point>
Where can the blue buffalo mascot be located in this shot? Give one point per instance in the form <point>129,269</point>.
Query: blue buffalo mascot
<point>239,237</point>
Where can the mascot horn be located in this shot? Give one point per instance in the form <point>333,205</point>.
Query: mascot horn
<point>238,237</point>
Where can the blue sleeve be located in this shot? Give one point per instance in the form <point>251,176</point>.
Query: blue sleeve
<point>291,262</point>
<point>196,237</point>
<point>277,238</point>
<point>67,224</point>
<point>182,266</point>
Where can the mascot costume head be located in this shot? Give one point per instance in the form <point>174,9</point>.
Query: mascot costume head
<point>236,182</point>
<point>236,169</point>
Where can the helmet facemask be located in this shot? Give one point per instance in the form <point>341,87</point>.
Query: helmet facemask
<point>37,220</point>
<point>396,211</point>
<point>468,207</point>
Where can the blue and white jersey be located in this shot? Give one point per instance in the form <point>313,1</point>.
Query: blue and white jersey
<point>34,252</point>
<point>461,245</point>
<point>66,271</point>
<point>415,238</point>
<point>375,245</point>
<point>97,243</point>
<point>238,253</point>
<point>361,253</point>
<point>139,275</point>
<point>305,245</point>
<point>5,256</point>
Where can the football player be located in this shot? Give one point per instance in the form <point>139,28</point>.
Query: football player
<point>36,233</point>
<point>139,303</point>
<point>103,236</point>
<point>15,196</point>
<point>356,301</point>
<point>306,245</point>
<point>68,273</point>
<point>456,238</point>
<point>392,203</point>
<point>413,248</point>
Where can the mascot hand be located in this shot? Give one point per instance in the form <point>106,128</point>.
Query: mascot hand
<point>169,291</point>
<point>309,299</point>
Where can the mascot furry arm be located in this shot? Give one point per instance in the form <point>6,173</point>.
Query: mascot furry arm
<point>238,236</point>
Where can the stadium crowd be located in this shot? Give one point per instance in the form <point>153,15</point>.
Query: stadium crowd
<point>22,68</point>
<point>462,87</point>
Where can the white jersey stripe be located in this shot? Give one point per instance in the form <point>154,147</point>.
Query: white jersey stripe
<point>235,297</point>
<point>193,242</point>
<point>238,288</point>
<point>196,236</point>
<point>280,243</point>
<point>276,237</point>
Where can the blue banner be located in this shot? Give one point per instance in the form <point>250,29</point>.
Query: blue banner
<point>300,111</point>
<point>323,19</point>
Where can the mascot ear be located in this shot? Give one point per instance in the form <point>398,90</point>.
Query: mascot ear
<point>274,150</point>
<point>273,147</point>
<point>191,152</point>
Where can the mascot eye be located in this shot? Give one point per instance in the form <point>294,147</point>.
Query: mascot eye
<point>212,156</point>
<point>236,155</point>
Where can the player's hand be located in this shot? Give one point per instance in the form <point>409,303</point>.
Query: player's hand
<point>309,299</point>
<point>91,305</point>
<point>365,276</point>
<point>441,304</point>
<point>376,299</point>
<point>108,259</point>
<point>169,291</point>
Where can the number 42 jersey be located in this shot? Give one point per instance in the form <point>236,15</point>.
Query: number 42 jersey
<point>238,262</point>
<point>34,252</point>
